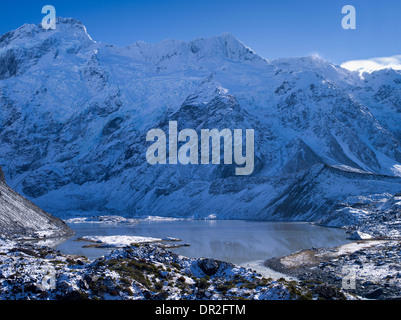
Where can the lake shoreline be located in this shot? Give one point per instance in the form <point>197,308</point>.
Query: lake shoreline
<point>236,241</point>
<point>321,266</point>
<point>139,272</point>
<point>371,267</point>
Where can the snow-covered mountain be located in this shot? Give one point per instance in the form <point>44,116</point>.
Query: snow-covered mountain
<point>374,64</point>
<point>75,113</point>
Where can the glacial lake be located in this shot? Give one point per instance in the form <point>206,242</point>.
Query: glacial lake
<point>246,243</point>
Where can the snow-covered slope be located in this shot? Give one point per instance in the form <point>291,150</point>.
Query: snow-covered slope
<point>20,218</point>
<point>75,113</point>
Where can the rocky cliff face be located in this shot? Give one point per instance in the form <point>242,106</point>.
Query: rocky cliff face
<point>75,113</point>
<point>20,218</point>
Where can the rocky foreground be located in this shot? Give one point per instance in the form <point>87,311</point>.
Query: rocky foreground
<point>371,264</point>
<point>370,269</point>
<point>140,272</point>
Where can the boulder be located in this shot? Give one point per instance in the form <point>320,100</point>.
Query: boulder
<point>358,235</point>
<point>209,266</point>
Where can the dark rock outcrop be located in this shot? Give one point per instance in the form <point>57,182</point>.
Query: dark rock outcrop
<point>209,266</point>
<point>2,178</point>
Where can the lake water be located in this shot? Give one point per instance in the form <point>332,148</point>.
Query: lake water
<point>246,243</point>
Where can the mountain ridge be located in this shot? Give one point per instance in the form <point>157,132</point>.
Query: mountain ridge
<point>75,116</point>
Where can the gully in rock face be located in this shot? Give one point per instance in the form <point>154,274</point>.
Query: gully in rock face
<point>189,153</point>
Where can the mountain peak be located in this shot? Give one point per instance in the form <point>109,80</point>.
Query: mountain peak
<point>66,28</point>
<point>69,28</point>
<point>226,44</point>
<point>212,49</point>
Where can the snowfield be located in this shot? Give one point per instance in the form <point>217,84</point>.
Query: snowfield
<point>118,241</point>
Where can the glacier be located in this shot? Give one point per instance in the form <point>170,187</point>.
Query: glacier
<point>75,113</point>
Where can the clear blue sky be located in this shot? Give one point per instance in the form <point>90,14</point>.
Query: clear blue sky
<point>273,28</point>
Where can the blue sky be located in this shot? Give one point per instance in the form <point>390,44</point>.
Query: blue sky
<point>273,28</point>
